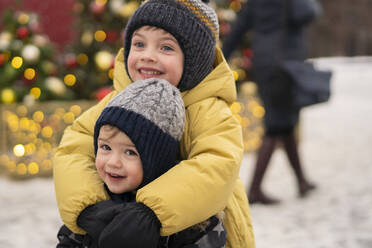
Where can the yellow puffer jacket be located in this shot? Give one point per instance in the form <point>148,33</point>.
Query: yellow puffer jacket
<point>206,182</point>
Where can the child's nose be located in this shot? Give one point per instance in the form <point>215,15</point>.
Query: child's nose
<point>114,161</point>
<point>149,55</point>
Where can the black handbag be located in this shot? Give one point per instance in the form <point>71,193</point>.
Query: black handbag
<point>310,85</point>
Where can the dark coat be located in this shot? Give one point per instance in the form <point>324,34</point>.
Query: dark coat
<point>278,34</point>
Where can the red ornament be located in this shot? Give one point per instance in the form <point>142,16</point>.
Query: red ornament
<point>70,61</point>
<point>112,36</point>
<point>248,53</point>
<point>97,8</point>
<point>225,28</point>
<point>22,32</point>
<point>102,92</point>
<point>2,59</point>
<point>36,27</point>
<point>247,63</point>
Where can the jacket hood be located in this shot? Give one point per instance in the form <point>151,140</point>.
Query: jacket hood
<point>219,83</point>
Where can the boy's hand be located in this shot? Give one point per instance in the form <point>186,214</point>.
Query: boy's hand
<point>95,218</point>
<point>134,225</point>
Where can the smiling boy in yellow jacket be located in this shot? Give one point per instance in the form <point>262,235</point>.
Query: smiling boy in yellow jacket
<point>207,180</point>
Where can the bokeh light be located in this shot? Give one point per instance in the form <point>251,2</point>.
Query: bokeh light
<point>100,35</point>
<point>17,62</point>
<point>35,92</point>
<point>38,116</point>
<point>33,168</point>
<point>29,73</point>
<point>70,79</point>
<point>19,150</point>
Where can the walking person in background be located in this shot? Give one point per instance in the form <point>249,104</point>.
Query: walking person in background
<point>278,27</point>
<point>173,40</point>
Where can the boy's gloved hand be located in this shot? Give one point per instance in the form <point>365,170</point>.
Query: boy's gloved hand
<point>93,221</point>
<point>133,225</point>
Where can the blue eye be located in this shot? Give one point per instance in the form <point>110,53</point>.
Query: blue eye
<point>138,44</point>
<point>168,48</point>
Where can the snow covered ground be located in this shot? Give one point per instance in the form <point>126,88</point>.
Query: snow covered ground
<point>336,153</point>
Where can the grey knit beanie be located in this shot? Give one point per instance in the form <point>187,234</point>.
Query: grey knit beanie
<point>152,114</point>
<point>192,22</point>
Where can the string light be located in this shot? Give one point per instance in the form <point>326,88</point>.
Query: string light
<point>69,117</point>
<point>21,110</point>
<point>29,73</point>
<point>69,79</point>
<point>38,116</point>
<point>22,169</point>
<point>35,92</point>
<point>100,35</point>
<point>47,132</point>
<point>235,5</point>
<point>33,168</point>
<point>7,96</point>
<point>75,109</point>
<point>17,62</point>
<point>82,59</point>
<point>258,111</point>
<point>19,150</point>
<point>24,123</point>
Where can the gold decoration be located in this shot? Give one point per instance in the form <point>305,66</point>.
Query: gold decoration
<point>82,59</point>
<point>100,35</point>
<point>35,92</point>
<point>70,79</point>
<point>17,62</point>
<point>29,73</point>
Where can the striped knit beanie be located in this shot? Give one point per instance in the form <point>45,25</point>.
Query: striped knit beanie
<point>151,113</point>
<point>192,22</point>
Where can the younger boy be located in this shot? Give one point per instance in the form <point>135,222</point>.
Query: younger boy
<point>136,139</point>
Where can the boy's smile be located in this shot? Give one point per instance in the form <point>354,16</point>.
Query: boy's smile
<point>155,53</point>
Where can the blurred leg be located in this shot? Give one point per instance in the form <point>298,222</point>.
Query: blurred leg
<point>290,147</point>
<point>263,158</point>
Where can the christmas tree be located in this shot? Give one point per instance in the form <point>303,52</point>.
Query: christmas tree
<point>28,65</point>
<point>30,74</point>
